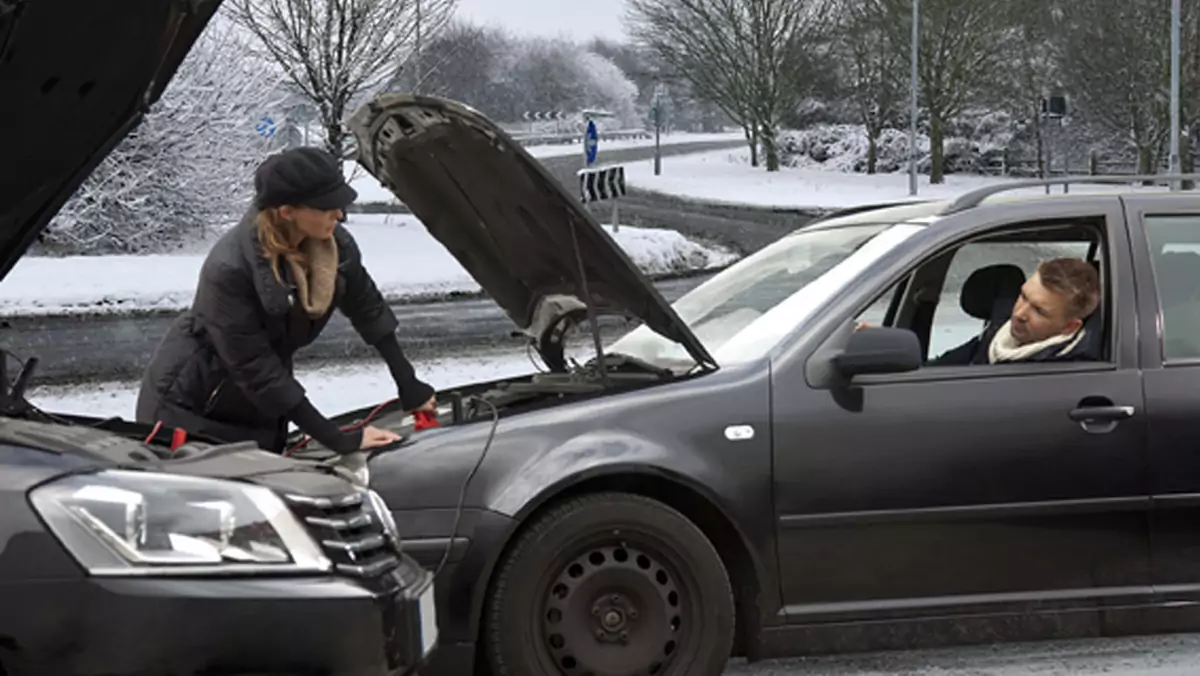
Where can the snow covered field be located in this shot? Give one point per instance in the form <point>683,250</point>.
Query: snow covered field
<point>726,176</point>
<point>332,389</point>
<point>369,189</point>
<point>403,258</point>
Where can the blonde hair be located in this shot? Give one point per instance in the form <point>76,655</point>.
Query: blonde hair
<point>276,235</point>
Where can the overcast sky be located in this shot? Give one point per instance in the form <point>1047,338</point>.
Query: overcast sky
<point>550,18</point>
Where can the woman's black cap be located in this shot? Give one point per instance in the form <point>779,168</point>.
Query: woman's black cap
<point>309,177</point>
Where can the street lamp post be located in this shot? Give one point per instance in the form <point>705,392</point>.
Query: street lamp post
<point>912,132</point>
<point>1175,167</point>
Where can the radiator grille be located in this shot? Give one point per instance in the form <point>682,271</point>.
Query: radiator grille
<point>352,535</point>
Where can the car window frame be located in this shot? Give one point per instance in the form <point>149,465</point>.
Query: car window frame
<point>953,231</point>
<point>1151,352</point>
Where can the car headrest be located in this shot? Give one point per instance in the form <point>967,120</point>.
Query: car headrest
<point>988,286</point>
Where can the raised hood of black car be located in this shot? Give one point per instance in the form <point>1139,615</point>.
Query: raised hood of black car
<point>528,242</point>
<point>75,78</point>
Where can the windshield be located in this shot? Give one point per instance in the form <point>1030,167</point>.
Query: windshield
<point>741,313</point>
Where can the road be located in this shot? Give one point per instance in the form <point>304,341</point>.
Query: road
<point>102,348</point>
<point>1176,655</point>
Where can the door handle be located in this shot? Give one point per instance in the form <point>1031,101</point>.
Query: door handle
<point>1085,414</point>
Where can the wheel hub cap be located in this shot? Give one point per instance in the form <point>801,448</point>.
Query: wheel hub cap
<point>613,611</point>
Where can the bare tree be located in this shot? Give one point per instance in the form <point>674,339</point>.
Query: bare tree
<point>1029,72</point>
<point>1119,70</point>
<point>753,58</point>
<point>181,176</point>
<point>338,51</point>
<point>873,66</point>
<point>962,45</point>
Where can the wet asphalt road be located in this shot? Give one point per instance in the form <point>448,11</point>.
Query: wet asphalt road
<point>1172,655</point>
<point>99,348</point>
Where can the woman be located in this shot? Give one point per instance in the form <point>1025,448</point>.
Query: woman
<point>268,288</point>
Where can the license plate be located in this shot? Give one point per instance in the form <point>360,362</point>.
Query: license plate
<point>429,627</point>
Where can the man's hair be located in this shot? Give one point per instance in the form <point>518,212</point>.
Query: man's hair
<point>1075,279</point>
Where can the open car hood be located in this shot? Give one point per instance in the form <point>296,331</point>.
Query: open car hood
<point>75,79</point>
<point>506,219</point>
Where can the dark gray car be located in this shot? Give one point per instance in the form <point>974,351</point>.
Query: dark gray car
<point>749,474</point>
<point>127,549</point>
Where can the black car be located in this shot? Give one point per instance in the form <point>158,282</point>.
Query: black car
<point>751,474</point>
<point>126,549</point>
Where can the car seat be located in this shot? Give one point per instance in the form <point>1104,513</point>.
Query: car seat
<point>990,292</point>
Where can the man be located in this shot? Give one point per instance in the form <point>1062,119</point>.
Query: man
<point>1046,323</point>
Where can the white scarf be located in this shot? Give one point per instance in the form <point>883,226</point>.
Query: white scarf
<point>1005,348</point>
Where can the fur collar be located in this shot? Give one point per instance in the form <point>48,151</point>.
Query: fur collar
<point>1005,348</point>
<point>315,290</point>
<point>315,285</point>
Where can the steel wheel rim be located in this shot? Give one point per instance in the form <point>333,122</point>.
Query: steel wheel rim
<point>616,609</point>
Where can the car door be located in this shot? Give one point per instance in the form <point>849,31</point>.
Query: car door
<point>966,489</point>
<point>1165,233</point>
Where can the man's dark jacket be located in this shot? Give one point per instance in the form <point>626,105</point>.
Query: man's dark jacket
<point>974,352</point>
<point>225,367</point>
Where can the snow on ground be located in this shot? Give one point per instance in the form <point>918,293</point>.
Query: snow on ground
<point>333,389</point>
<point>370,190</point>
<point>405,260</point>
<point>725,176</point>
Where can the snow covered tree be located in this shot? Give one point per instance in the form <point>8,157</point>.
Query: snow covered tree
<point>962,46</point>
<point>872,63</point>
<point>338,52</point>
<point>458,64</point>
<point>185,172</point>
<point>1115,59</point>
<point>753,58</point>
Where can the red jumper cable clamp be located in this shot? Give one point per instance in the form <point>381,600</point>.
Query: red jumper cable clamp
<point>424,420</point>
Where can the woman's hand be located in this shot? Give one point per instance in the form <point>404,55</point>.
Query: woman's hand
<point>373,437</point>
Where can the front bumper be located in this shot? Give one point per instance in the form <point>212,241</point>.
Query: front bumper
<point>327,625</point>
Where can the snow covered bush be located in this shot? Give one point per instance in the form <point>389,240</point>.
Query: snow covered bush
<point>186,171</point>
<point>608,86</point>
<point>843,147</point>
<point>971,146</point>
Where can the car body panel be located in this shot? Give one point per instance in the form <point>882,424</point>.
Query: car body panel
<point>142,626</point>
<point>506,219</point>
<point>539,455</point>
<point>1172,402</point>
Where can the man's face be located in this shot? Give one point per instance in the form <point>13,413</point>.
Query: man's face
<point>1040,313</point>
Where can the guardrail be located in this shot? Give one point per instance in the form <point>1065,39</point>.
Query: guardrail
<point>577,137</point>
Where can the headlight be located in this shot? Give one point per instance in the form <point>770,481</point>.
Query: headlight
<point>143,523</point>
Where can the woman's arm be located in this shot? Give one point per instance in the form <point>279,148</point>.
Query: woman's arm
<point>227,306</point>
<point>369,313</point>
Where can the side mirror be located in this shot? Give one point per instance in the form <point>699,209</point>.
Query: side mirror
<point>876,350</point>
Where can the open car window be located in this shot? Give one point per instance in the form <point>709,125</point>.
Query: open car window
<point>931,302</point>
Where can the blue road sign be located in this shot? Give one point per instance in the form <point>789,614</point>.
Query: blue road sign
<point>265,126</point>
<point>591,142</point>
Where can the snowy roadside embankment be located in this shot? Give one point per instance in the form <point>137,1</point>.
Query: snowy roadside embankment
<point>407,263</point>
<point>726,177</point>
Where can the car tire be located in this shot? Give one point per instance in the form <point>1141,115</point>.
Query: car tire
<point>610,582</point>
